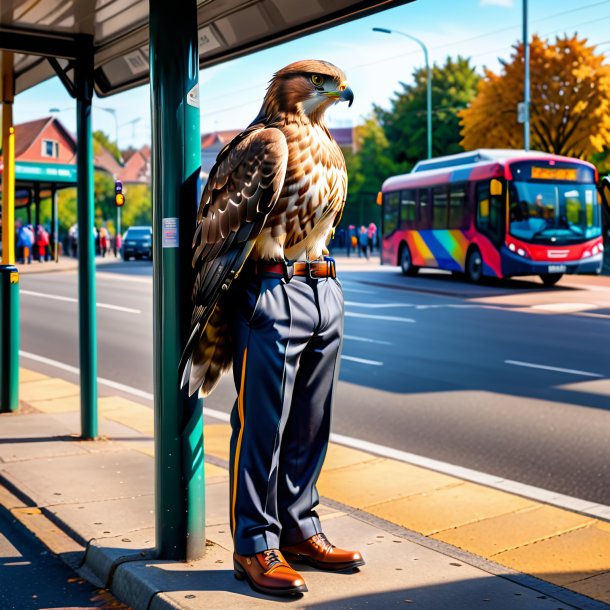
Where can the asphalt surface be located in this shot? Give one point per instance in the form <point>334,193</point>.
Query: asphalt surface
<point>33,578</point>
<point>430,365</point>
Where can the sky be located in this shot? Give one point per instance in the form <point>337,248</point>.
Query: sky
<point>375,63</point>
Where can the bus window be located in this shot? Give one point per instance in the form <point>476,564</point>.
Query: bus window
<point>439,207</point>
<point>489,213</point>
<point>457,206</point>
<point>390,213</point>
<point>425,209</point>
<point>407,209</point>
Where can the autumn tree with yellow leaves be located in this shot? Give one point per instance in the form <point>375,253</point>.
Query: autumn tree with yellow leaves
<point>570,101</point>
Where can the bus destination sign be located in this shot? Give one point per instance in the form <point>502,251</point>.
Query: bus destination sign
<point>554,173</point>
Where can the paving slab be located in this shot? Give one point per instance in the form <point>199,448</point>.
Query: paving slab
<point>449,507</point>
<point>88,478</point>
<point>489,537</point>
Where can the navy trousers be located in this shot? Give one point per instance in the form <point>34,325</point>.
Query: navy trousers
<point>287,342</point>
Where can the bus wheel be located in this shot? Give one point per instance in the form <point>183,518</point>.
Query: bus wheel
<point>406,262</point>
<point>474,266</point>
<point>550,279</point>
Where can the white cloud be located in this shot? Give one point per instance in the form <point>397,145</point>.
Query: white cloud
<point>504,3</point>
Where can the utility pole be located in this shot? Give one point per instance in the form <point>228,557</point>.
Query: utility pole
<point>526,81</point>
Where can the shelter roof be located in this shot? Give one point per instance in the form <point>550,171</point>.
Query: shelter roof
<point>47,36</point>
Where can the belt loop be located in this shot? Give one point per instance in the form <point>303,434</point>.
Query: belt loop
<point>288,271</point>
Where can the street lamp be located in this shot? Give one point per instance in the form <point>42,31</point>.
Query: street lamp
<point>526,81</point>
<point>112,111</point>
<point>428,80</point>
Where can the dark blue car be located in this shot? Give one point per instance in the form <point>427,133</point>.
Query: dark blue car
<point>137,242</point>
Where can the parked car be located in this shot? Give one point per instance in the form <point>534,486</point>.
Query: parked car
<point>137,242</point>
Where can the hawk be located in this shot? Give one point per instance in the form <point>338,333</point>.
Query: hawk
<point>276,192</point>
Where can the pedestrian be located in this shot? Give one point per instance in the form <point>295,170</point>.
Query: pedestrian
<point>372,235</point>
<point>27,243</point>
<point>42,242</point>
<point>352,239</point>
<point>363,241</point>
<point>103,241</point>
<point>73,237</point>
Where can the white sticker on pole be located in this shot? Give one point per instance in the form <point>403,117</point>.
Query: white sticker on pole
<point>170,233</point>
<point>192,97</point>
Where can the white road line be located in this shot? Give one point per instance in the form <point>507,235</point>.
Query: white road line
<point>366,340</point>
<point>552,368</point>
<point>362,360</point>
<point>377,305</point>
<point>351,314</point>
<point>514,487</point>
<point>345,289</point>
<point>56,297</point>
<point>72,369</point>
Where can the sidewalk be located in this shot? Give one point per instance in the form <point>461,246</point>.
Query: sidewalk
<point>65,263</point>
<point>92,503</point>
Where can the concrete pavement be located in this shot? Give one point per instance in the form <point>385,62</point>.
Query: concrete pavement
<point>429,539</point>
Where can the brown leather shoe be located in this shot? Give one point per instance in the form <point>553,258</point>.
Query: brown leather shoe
<point>268,573</point>
<point>318,552</point>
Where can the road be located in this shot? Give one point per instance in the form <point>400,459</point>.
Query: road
<point>509,379</point>
<point>33,578</point>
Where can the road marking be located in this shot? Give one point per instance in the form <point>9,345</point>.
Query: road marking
<point>366,340</point>
<point>346,289</point>
<point>351,314</point>
<point>377,305</point>
<point>564,307</point>
<point>514,487</point>
<point>362,360</point>
<point>72,369</point>
<point>56,297</point>
<point>552,368</point>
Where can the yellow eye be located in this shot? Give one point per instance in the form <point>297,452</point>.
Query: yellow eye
<point>317,80</point>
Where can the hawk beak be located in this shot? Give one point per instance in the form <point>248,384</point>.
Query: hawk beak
<point>347,95</point>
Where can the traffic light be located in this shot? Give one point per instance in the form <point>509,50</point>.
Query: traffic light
<point>119,197</point>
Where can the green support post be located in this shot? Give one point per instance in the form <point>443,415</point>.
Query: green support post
<point>9,346</point>
<point>83,74</point>
<point>176,159</point>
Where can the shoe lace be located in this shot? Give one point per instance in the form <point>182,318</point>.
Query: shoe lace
<point>321,541</point>
<point>272,558</point>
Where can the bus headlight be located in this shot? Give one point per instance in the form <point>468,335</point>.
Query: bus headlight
<point>587,254</point>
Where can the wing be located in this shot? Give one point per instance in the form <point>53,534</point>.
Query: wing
<point>241,191</point>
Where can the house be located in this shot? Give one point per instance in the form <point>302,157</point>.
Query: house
<point>136,169</point>
<point>213,143</point>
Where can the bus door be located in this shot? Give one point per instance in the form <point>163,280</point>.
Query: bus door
<point>491,210</point>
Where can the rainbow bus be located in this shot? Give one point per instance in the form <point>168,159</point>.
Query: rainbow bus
<point>495,213</point>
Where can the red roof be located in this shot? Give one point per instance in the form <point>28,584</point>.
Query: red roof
<point>27,133</point>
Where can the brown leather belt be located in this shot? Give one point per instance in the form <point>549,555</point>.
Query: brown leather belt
<point>313,269</point>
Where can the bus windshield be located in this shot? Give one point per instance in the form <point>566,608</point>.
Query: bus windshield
<point>554,212</point>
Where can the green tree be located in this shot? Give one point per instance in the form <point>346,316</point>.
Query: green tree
<point>454,85</point>
<point>100,138</point>
<point>367,169</point>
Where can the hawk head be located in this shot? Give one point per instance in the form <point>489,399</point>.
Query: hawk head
<point>307,87</point>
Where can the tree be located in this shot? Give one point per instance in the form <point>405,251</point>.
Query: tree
<point>570,101</point>
<point>99,137</point>
<point>454,84</point>
<point>366,170</point>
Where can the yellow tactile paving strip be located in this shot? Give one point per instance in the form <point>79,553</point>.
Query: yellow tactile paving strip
<point>553,544</point>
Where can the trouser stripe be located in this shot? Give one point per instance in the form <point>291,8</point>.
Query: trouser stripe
<point>240,410</point>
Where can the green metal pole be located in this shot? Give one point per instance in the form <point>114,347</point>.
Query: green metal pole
<point>174,71</point>
<point>86,248</point>
<point>9,346</point>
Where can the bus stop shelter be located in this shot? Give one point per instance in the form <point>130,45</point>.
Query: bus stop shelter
<point>107,48</point>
